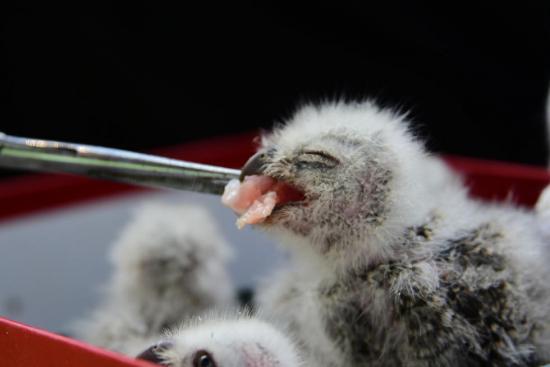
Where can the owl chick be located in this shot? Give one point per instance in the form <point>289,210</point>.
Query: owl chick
<point>393,264</point>
<point>224,341</point>
<point>169,265</point>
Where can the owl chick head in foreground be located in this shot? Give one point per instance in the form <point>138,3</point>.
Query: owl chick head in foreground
<point>219,342</point>
<point>358,166</point>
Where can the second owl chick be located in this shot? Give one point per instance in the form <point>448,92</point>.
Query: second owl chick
<point>169,265</point>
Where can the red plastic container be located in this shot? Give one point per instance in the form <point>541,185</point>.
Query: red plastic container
<point>25,346</point>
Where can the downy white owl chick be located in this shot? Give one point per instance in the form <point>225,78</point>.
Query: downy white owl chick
<point>169,265</point>
<point>393,264</point>
<point>224,342</point>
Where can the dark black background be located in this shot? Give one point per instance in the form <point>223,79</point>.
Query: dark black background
<point>145,74</point>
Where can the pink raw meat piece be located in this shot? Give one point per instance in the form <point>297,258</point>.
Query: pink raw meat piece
<point>250,198</point>
<point>259,210</point>
<point>239,196</point>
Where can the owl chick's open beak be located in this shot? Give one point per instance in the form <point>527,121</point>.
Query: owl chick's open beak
<point>257,195</point>
<point>256,166</point>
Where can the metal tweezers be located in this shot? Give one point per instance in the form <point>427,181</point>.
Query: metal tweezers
<point>112,164</point>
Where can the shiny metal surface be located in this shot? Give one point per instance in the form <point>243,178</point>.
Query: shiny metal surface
<point>112,164</point>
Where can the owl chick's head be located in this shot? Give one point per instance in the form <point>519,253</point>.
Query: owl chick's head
<point>241,342</point>
<point>360,171</point>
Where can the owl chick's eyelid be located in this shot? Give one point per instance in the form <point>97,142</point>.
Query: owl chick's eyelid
<point>316,160</point>
<point>319,153</point>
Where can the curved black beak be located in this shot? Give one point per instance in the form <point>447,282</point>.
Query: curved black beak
<point>254,166</point>
<point>151,354</point>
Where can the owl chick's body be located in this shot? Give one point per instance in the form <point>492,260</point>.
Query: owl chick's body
<point>393,264</point>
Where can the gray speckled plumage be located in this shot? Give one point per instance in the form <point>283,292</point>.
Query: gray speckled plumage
<point>459,322</point>
<point>394,265</point>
